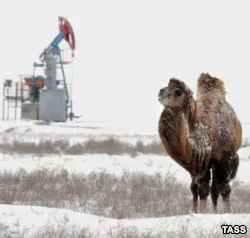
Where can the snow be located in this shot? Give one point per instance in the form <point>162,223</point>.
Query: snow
<point>30,219</point>
<point>246,131</point>
<point>115,164</point>
<point>244,153</point>
<point>34,131</point>
<point>86,164</point>
<point>80,127</point>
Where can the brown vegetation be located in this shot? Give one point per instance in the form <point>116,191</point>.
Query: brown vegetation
<point>111,146</point>
<point>132,195</point>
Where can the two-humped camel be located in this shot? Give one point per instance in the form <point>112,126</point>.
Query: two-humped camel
<point>202,135</point>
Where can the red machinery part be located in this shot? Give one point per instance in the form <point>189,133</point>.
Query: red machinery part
<point>69,36</point>
<point>28,81</point>
<point>37,83</point>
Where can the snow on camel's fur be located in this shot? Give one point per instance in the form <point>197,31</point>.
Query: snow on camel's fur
<point>225,130</point>
<point>194,135</point>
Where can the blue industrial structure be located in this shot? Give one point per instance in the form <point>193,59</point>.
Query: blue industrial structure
<point>45,98</point>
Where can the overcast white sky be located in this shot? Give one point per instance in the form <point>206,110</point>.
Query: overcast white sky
<point>127,50</point>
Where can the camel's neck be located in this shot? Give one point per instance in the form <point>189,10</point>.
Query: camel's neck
<point>178,132</point>
<point>173,130</point>
<point>174,134</point>
<point>184,139</point>
<point>179,122</point>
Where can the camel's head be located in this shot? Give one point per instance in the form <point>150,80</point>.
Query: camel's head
<point>207,83</point>
<point>175,95</point>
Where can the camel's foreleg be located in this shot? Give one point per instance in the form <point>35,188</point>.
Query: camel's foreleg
<point>214,189</point>
<point>203,191</point>
<point>194,190</point>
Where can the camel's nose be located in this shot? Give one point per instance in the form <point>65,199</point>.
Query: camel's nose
<point>161,91</point>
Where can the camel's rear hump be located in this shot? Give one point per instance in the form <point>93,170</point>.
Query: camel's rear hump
<point>218,115</point>
<point>230,131</point>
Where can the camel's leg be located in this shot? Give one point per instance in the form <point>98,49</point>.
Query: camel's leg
<point>214,190</point>
<point>234,165</point>
<point>225,191</point>
<point>203,190</point>
<point>194,190</point>
<point>225,170</point>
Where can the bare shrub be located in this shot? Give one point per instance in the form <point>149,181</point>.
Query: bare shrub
<point>131,195</point>
<point>240,198</point>
<point>4,230</point>
<point>130,232</point>
<point>111,146</point>
<point>108,146</point>
<point>62,231</point>
<point>183,232</point>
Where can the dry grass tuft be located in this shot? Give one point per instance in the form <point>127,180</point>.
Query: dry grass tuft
<point>111,146</point>
<point>132,195</point>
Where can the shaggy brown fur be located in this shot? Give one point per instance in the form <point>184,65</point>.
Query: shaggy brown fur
<point>185,140</point>
<point>192,132</point>
<point>214,112</point>
<point>225,131</point>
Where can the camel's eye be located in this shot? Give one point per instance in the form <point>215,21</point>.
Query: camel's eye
<point>178,93</point>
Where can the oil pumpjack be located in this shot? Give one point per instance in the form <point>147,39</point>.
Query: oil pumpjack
<point>46,97</point>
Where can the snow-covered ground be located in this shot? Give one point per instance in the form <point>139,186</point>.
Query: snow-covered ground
<point>80,128</point>
<point>76,132</point>
<point>29,220</point>
<point>115,164</point>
